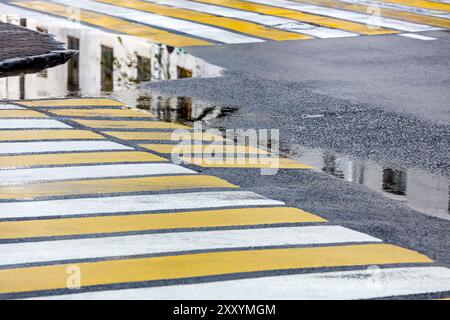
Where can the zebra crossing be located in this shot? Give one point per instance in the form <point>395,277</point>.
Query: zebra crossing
<point>136,226</point>
<point>185,23</point>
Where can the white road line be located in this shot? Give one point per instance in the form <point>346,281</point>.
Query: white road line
<point>59,146</point>
<point>179,25</point>
<point>32,124</point>
<point>400,7</point>
<point>267,20</point>
<point>343,285</point>
<point>416,36</point>
<point>21,176</point>
<point>10,107</point>
<point>350,16</point>
<point>141,203</point>
<point>46,251</point>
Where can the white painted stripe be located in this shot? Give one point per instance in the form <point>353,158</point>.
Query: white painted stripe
<point>400,7</point>
<point>10,107</point>
<point>32,124</point>
<point>23,176</point>
<point>141,203</point>
<point>350,16</point>
<point>46,251</point>
<point>192,28</point>
<point>416,36</point>
<point>58,146</point>
<point>267,20</point>
<point>343,285</point>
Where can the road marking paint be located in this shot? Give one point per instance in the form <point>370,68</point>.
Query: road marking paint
<point>191,148</point>
<point>147,222</point>
<point>155,20</point>
<point>416,36</point>
<point>204,264</point>
<point>281,163</point>
<point>96,248</point>
<point>124,113</point>
<point>213,19</point>
<point>59,146</point>
<point>14,162</point>
<point>105,186</point>
<point>271,21</point>
<point>71,103</point>
<point>362,6</point>
<point>23,176</point>
<point>423,4</point>
<point>119,124</point>
<point>162,136</point>
<point>24,135</point>
<point>32,124</point>
<point>115,24</point>
<point>299,16</point>
<point>348,15</point>
<point>10,107</point>
<point>21,114</point>
<point>140,203</point>
<point>340,285</point>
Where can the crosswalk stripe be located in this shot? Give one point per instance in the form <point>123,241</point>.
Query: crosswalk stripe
<point>32,124</point>
<point>194,149</point>
<point>177,25</point>
<point>209,19</point>
<point>24,135</point>
<point>408,16</point>
<point>147,222</point>
<point>281,163</point>
<point>21,114</point>
<point>106,186</point>
<point>348,15</point>
<point>423,4</point>
<point>14,162</point>
<point>271,21</point>
<point>204,264</point>
<point>24,176</point>
<point>115,24</point>
<point>97,248</point>
<point>278,11</point>
<point>72,103</point>
<point>122,124</point>
<point>58,146</point>
<point>10,107</point>
<point>123,113</point>
<point>162,136</point>
<point>364,284</point>
<point>139,203</point>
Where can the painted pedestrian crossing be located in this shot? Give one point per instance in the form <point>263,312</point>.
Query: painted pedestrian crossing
<point>125,217</point>
<point>184,23</point>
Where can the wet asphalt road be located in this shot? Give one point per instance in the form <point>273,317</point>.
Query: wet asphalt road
<point>381,98</point>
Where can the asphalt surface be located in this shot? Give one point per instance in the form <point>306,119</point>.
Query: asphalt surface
<point>383,98</point>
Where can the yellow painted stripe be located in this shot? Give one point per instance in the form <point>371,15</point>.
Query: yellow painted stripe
<point>23,135</point>
<point>104,186</point>
<point>119,124</point>
<point>389,13</point>
<point>199,17</point>
<point>124,113</point>
<point>299,16</point>
<point>142,222</point>
<point>423,4</point>
<point>116,24</point>
<point>163,136</point>
<point>10,162</point>
<point>204,264</point>
<point>191,149</point>
<point>71,103</point>
<point>261,164</point>
<point>21,114</point>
